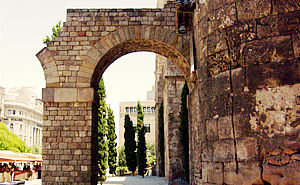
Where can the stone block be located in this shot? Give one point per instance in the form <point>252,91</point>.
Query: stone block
<point>216,42</point>
<point>207,152</point>
<point>219,62</point>
<point>221,18</point>
<point>279,160</point>
<point>48,94</point>
<point>287,174</point>
<point>223,151</point>
<point>296,45</point>
<point>225,130</point>
<point>242,126</point>
<point>281,6</point>
<point>247,149</point>
<point>289,23</point>
<point>252,9</point>
<point>269,50</point>
<point>65,95</point>
<point>85,95</point>
<point>212,130</point>
<point>249,173</point>
<point>214,173</point>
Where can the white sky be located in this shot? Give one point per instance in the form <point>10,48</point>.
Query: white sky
<point>25,23</point>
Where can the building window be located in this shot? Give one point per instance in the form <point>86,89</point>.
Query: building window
<point>131,109</point>
<point>144,109</point>
<point>147,128</point>
<point>21,127</point>
<point>153,109</point>
<point>134,109</point>
<point>127,109</point>
<point>14,112</point>
<point>148,109</point>
<point>11,126</point>
<point>9,112</point>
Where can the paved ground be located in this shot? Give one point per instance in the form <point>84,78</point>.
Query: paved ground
<point>34,182</point>
<point>136,180</point>
<point>124,180</point>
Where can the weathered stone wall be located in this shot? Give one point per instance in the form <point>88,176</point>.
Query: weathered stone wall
<point>169,82</point>
<point>244,109</point>
<point>173,148</point>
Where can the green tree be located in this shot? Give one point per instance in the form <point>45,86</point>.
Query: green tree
<point>141,148</point>
<point>111,136</point>
<point>102,132</point>
<point>151,155</point>
<point>184,129</point>
<point>122,161</point>
<point>122,157</point>
<point>10,141</point>
<point>161,136</point>
<point>55,30</point>
<point>130,144</point>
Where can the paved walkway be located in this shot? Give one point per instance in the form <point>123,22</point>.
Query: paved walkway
<point>136,180</point>
<point>34,182</point>
<point>124,180</point>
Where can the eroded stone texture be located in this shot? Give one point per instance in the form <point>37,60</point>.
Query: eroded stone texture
<point>276,110</point>
<point>248,74</point>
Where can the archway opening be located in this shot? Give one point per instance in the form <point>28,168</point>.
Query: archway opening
<point>178,61</point>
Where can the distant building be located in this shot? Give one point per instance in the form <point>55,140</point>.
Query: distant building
<point>23,115</point>
<point>149,117</point>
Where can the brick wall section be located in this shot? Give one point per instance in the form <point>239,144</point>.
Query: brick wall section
<point>67,135</point>
<point>90,35</point>
<point>248,58</point>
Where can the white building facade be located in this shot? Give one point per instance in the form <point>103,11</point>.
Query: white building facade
<point>2,97</point>
<point>149,117</point>
<point>23,115</point>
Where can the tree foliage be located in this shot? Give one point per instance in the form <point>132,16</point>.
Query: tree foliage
<point>151,154</point>
<point>122,157</point>
<point>130,145</point>
<point>102,132</point>
<point>10,141</point>
<point>141,148</point>
<point>161,136</point>
<point>111,136</point>
<point>55,30</point>
<point>184,129</point>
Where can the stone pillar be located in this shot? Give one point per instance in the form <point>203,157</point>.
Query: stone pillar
<point>67,137</point>
<point>160,63</point>
<point>173,148</point>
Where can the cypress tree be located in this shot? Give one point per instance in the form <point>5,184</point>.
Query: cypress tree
<point>111,136</point>
<point>102,132</point>
<point>161,135</point>
<point>184,129</point>
<point>130,145</point>
<point>141,148</point>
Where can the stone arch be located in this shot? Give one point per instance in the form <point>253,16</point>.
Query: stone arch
<point>47,61</point>
<point>132,39</point>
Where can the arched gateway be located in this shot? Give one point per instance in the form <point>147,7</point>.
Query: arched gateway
<point>73,63</point>
<point>243,105</point>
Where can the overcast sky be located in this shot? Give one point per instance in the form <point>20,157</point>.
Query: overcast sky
<point>25,23</point>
